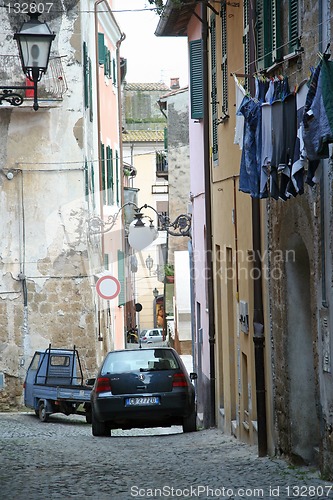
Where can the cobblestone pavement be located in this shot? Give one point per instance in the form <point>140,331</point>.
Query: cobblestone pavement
<point>60,459</point>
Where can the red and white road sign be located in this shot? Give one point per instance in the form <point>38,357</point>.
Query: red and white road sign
<point>108,287</point>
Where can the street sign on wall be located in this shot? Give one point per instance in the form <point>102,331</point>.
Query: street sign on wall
<point>108,287</point>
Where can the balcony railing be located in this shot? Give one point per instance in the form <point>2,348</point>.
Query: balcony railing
<point>52,86</point>
<point>162,164</point>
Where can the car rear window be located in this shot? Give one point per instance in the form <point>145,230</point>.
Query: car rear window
<point>139,360</point>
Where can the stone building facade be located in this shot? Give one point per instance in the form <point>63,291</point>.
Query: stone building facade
<point>50,186</point>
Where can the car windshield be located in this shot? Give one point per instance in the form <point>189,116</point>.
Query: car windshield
<point>139,360</point>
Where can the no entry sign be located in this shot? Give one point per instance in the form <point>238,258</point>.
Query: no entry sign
<point>108,287</point>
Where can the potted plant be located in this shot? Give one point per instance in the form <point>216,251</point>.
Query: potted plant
<point>169,273</point>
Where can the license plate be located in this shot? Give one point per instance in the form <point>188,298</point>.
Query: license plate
<point>143,401</point>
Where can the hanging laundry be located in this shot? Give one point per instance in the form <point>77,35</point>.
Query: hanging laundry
<point>296,185</point>
<point>239,128</point>
<point>318,117</point>
<point>266,147</point>
<point>249,177</point>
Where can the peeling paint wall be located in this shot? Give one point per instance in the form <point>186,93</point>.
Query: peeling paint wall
<point>47,257</point>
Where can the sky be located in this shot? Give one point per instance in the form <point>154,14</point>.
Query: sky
<point>149,58</point>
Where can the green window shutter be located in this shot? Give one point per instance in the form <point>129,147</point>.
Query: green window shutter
<point>268,33</point>
<point>106,261</point>
<point>246,44</point>
<point>107,63</point>
<point>114,68</point>
<point>109,175</point>
<point>85,75</point>
<point>293,25</point>
<point>117,178</point>
<point>101,48</point>
<point>165,138</point>
<point>214,86</point>
<point>93,183</point>
<point>121,278</point>
<point>276,30</point>
<point>196,79</point>
<point>103,172</point>
<point>90,91</point>
<point>225,105</point>
<point>86,179</point>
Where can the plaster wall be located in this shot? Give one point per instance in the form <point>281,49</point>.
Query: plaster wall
<point>200,300</point>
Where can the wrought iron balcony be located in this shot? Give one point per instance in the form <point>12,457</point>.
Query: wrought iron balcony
<point>52,86</point>
<point>162,164</point>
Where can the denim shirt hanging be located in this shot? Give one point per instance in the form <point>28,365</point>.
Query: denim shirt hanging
<point>250,168</point>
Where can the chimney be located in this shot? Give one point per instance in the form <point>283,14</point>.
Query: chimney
<point>174,83</point>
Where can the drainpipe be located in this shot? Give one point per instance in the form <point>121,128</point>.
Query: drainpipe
<point>258,317</point>
<point>209,248</point>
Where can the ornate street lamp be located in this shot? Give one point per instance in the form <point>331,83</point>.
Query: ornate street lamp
<point>141,235</point>
<point>155,293</point>
<point>34,42</point>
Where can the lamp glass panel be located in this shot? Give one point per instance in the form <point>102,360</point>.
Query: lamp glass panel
<point>142,236</point>
<point>35,51</point>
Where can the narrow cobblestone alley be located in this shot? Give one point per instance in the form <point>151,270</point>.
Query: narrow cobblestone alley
<point>61,459</point>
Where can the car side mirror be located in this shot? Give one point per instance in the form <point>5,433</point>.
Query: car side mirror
<point>193,376</point>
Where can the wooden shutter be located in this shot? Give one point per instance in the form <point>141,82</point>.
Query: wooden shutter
<point>214,86</point>
<point>103,172</point>
<point>92,171</point>
<point>293,25</point>
<point>268,33</point>
<point>246,44</point>
<point>86,180</point>
<point>114,68</point>
<point>101,48</point>
<point>85,75</point>
<point>117,178</point>
<point>276,31</point>
<point>109,175</point>
<point>225,105</point>
<point>196,79</point>
<point>121,278</point>
<point>90,86</point>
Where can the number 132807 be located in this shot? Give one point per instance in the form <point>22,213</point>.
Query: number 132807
<point>28,8</point>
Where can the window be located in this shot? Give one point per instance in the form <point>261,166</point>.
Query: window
<point>196,79</point>
<point>268,33</point>
<point>59,360</point>
<point>214,87</point>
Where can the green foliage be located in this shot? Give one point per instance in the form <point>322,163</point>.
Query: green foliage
<point>169,270</point>
<point>159,4</point>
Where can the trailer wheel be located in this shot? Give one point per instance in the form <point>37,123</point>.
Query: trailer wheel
<point>43,416</point>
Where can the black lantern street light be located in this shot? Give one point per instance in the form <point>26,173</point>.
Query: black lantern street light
<point>34,42</point>
<point>155,293</point>
<point>149,264</point>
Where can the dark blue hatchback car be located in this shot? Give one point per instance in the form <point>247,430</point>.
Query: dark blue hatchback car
<point>143,388</point>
